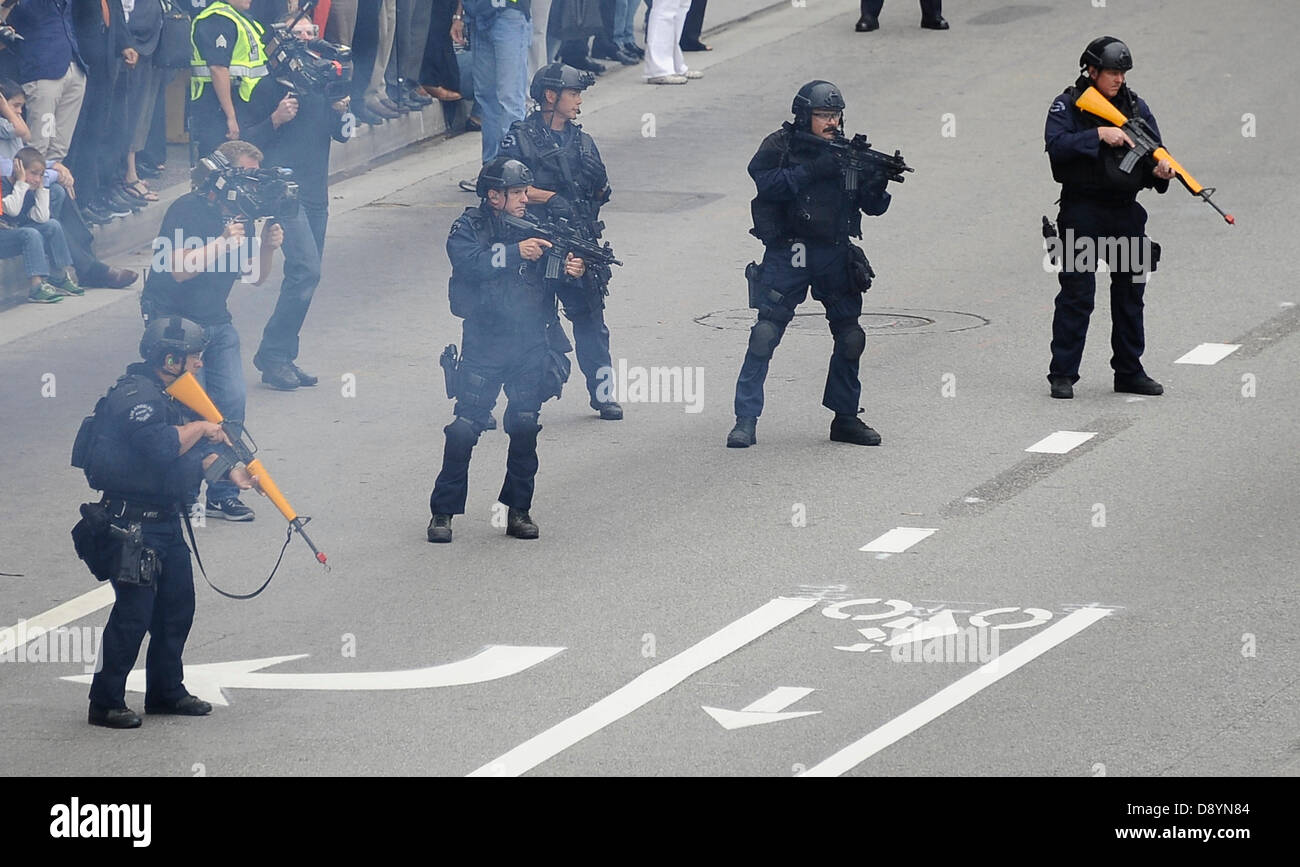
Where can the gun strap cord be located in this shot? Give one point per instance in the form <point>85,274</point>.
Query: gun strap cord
<point>194,546</point>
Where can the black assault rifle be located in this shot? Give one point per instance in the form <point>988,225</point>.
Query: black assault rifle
<point>564,239</point>
<point>857,157</point>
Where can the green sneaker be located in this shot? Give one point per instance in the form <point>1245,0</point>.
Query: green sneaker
<point>68,287</point>
<point>44,294</point>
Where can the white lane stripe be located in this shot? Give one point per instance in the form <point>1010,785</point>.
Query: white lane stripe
<point>1061,442</point>
<point>73,609</point>
<point>898,540</point>
<point>644,688</point>
<point>1209,353</point>
<point>949,697</point>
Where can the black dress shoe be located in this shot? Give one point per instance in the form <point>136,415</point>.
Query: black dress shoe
<point>587,64</point>
<point>867,23</point>
<point>934,23</point>
<point>851,429</point>
<point>191,705</point>
<point>1062,387</point>
<point>603,49</point>
<point>1142,384</point>
<point>113,718</point>
<point>419,97</point>
<point>633,49</point>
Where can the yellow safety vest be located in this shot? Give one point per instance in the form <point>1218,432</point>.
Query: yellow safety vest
<point>247,62</point>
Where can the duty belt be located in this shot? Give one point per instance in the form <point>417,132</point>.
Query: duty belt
<point>135,512</point>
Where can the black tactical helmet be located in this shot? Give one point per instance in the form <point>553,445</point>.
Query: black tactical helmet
<point>502,174</point>
<point>171,334</point>
<point>1107,52</point>
<point>556,76</point>
<point>816,95</point>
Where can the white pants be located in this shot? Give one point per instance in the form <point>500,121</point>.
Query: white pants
<point>663,35</point>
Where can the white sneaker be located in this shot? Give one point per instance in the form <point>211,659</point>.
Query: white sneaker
<point>666,79</point>
<point>692,73</point>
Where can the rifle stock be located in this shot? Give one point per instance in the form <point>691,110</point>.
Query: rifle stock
<point>187,390</point>
<point>1094,103</point>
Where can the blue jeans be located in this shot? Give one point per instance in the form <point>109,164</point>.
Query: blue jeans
<point>301,276</point>
<point>625,21</point>
<point>501,73</point>
<point>26,241</point>
<point>222,376</point>
<point>51,232</point>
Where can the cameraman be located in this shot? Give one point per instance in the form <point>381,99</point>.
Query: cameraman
<point>198,254</point>
<point>307,112</point>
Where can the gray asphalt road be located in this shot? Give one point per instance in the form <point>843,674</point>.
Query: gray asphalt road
<point>1144,581</point>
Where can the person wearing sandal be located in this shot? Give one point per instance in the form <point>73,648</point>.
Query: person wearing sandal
<point>142,81</point>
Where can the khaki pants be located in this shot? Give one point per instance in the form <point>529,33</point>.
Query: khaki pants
<point>53,105</point>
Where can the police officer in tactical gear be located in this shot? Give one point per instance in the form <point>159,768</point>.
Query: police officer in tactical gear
<point>1099,205</point>
<point>805,217</point>
<point>148,459</point>
<point>570,182</point>
<point>498,287</point>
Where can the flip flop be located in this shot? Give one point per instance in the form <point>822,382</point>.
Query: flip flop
<point>139,190</point>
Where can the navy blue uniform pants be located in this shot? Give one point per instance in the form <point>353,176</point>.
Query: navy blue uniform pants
<point>586,310</point>
<point>789,273</point>
<point>1101,223</point>
<point>492,360</point>
<point>165,612</point>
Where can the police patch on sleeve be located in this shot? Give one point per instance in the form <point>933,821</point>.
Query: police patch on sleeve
<point>508,141</point>
<point>1058,106</point>
<point>141,413</point>
<point>221,41</point>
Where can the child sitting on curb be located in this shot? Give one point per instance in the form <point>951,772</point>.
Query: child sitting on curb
<point>27,227</point>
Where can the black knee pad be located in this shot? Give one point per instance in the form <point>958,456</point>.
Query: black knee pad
<point>462,434</point>
<point>522,423</point>
<point>851,342</point>
<point>763,338</point>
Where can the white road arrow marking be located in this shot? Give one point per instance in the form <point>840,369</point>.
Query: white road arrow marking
<point>766,710</point>
<point>949,697</point>
<point>207,681</point>
<point>644,688</point>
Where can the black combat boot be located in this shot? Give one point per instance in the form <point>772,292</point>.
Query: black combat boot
<point>742,436</point>
<point>520,525</point>
<point>1062,388</point>
<point>440,528</point>
<point>848,428</point>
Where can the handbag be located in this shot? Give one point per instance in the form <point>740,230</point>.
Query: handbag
<point>174,48</point>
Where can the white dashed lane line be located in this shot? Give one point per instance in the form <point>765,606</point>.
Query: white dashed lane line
<point>1209,353</point>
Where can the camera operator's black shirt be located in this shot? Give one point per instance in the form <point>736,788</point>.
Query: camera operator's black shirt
<point>302,144</point>
<point>203,296</point>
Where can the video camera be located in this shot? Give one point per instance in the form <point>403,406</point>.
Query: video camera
<point>247,194</point>
<point>311,66</point>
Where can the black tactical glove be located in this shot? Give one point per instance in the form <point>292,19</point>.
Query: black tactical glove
<point>559,208</point>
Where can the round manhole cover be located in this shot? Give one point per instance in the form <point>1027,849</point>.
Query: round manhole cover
<point>881,320</point>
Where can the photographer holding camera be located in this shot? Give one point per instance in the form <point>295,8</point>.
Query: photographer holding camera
<point>305,100</point>
<point>203,246</point>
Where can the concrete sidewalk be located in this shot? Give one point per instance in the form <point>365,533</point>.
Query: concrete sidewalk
<point>370,147</point>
